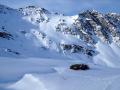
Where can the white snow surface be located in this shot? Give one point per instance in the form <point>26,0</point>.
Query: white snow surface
<point>108,55</point>
<point>42,66</point>
<point>49,74</point>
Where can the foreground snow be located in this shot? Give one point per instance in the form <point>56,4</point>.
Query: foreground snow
<point>50,74</point>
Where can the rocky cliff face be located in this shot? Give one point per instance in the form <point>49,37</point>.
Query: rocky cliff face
<point>34,27</point>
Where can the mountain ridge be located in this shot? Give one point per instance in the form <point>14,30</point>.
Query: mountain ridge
<point>35,27</point>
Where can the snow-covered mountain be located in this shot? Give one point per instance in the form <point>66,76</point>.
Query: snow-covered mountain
<point>36,32</point>
<point>38,47</point>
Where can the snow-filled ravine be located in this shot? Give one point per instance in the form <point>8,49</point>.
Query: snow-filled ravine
<point>53,74</point>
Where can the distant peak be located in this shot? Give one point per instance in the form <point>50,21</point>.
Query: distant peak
<point>90,12</point>
<point>35,9</point>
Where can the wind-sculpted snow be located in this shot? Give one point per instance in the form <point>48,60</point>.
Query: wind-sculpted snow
<point>64,81</point>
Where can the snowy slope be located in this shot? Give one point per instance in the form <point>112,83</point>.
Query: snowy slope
<point>38,46</point>
<point>30,28</point>
<point>49,74</point>
<point>73,37</point>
